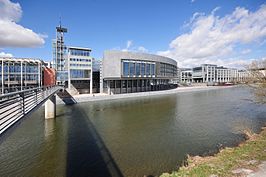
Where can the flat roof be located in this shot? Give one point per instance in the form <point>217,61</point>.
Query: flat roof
<point>79,48</point>
<point>21,59</point>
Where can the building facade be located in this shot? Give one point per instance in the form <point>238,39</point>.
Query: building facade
<point>19,73</point>
<point>127,72</point>
<point>207,73</point>
<point>79,69</point>
<point>204,73</point>
<point>185,75</point>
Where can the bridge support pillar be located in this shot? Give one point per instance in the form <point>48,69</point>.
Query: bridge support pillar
<point>50,108</point>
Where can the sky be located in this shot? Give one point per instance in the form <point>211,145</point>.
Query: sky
<point>231,33</point>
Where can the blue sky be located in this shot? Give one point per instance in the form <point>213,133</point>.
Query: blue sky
<point>160,27</point>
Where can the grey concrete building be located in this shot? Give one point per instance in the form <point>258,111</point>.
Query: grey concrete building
<point>127,72</point>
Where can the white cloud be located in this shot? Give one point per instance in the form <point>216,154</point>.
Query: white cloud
<point>129,44</point>
<point>13,34</point>
<point>246,51</point>
<point>3,54</point>
<point>212,38</point>
<point>130,47</point>
<point>142,49</point>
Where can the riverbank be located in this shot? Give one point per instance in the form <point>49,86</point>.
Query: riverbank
<point>247,159</point>
<point>103,97</point>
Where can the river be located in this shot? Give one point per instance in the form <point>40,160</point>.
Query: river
<point>129,137</point>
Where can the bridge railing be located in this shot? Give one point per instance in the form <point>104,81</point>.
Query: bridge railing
<point>14,106</point>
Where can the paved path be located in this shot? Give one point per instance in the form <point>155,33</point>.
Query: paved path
<point>99,97</point>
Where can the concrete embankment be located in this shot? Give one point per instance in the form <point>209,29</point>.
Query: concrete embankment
<point>102,97</point>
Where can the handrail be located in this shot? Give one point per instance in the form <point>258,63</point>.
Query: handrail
<point>27,90</point>
<point>15,105</point>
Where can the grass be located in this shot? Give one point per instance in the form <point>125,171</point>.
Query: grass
<point>248,154</point>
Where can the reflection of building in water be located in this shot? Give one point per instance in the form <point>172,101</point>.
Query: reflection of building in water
<point>19,73</point>
<point>127,72</point>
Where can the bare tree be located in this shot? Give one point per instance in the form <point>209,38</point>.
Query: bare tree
<point>257,79</point>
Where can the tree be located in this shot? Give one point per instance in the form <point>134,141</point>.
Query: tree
<point>257,71</point>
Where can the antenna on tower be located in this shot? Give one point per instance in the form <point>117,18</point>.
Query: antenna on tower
<point>60,20</point>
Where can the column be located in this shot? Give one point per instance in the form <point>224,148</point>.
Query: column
<point>50,108</point>
<point>91,82</point>
<point>8,76</point>
<point>3,77</point>
<point>39,75</point>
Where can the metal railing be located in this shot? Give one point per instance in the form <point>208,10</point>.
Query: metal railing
<point>14,106</point>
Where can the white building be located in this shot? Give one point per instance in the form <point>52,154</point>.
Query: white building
<point>79,66</point>
<point>204,73</point>
<point>185,75</point>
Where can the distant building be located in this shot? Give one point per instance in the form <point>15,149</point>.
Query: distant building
<point>204,73</point>
<point>127,72</point>
<point>208,73</point>
<point>19,73</point>
<point>185,75</point>
<point>79,69</point>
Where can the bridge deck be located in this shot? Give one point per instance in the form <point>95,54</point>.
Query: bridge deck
<point>14,106</point>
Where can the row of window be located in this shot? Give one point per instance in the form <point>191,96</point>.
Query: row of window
<point>14,77</point>
<point>16,68</point>
<point>80,65</point>
<point>138,69</point>
<point>168,70</point>
<point>80,59</point>
<point>79,52</point>
<point>76,73</point>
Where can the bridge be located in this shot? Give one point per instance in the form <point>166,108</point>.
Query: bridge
<point>16,105</point>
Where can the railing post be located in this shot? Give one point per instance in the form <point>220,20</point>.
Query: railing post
<point>23,102</point>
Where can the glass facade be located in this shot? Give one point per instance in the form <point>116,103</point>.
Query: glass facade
<point>79,52</point>
<point>19,75</point>
<point>80,59</point>
<point>76,73</point>
<point>168,70</point>
<point>136,68</point>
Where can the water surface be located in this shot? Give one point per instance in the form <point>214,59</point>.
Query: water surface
<point>129,137</point>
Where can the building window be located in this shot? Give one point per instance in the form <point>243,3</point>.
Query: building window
<point>137,69</point>
<point>132,69</point>
<point>142,69</point>
<point>125,68</point>
<point>148,68</point>
<point>153,69</point>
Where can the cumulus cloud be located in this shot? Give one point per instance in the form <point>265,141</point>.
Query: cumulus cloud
<point>131,47</point>
<point>3,54</point>
<point>13,34</point>
<point>212,38</point>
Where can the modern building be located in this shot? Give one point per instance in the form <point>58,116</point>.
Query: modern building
<point>204,73</point>
<point>127,72</point>
<point>19,73</point>
<point>185,75</point>
<point>208,73</point>
<point>79,69</point>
